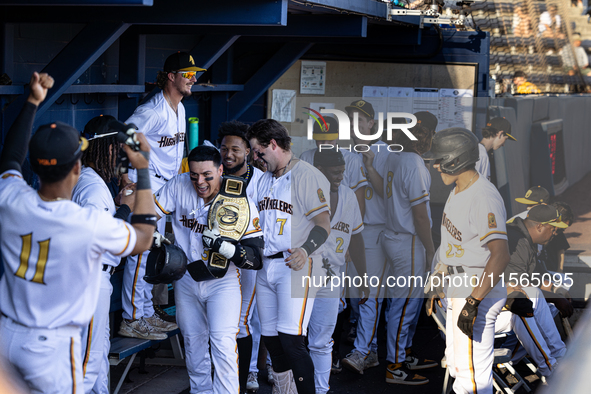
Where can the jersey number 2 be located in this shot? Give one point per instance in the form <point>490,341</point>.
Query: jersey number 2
<point>41,260</point>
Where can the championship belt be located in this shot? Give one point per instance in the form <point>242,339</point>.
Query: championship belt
<point>231,211</point>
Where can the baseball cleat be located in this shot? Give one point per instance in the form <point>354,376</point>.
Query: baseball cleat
<point>140,329</point>
<point>163,315</point>
<point>354,361</point>
<point>270,376</point>
<point>336,363</point>
<point>371,360</point>
<point>413,362</point>
<point>252,384</point>
<point>160,325</point>
<point>398,374</point>
<point>352,334</point>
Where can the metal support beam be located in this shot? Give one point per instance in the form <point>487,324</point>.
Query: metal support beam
<point>7,50</point>
<point>80,53</point>
<point>262,80</point>
<point>79,2</point>
<point>178,12</point>
<point>317,25</point>
<point>366,7</point>
<point>210,49</point>
<point>218,111</point>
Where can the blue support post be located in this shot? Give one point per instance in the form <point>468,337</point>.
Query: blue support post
<point>210,49</point>
<point>221,74</point>
<point>258,84</point>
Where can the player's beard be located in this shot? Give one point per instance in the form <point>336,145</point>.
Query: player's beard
<point>235,169</point>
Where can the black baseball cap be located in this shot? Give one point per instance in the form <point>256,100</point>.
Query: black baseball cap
<point>501,124</point>
<point>329,158</point>
<point>361,106</point>
<point>535,195</point>
<point>98,126</point>
<point>56,144</point>
<point>322,133</point>
<point>426,119</point>
<point>181,61</point>
<point>546,214</point>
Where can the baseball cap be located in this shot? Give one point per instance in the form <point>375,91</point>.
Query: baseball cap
<point>98,126</point>
<point>535,195</point>
<point>56,144</point>
<point>361,106</point>
<point>181,61</point>
<point>546,214</point>
<point>501,124</point>
<point>326,134</point>
<point>426,119</point>
<point>329,158</point>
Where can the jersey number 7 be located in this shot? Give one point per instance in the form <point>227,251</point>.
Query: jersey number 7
<point>41,259</point>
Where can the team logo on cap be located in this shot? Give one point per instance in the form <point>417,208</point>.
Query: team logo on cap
<point>528,194</point>
<point>321,195</point>
<point>492,222</point>
<point>360,103</point>
<point>489,124</point>
<point>191,60</point>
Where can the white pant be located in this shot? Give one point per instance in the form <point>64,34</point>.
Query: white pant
<point>210,311</point>
<point>538,335</point>
<point>406,256</point>
<point>248,280</point>
<point>49,360</point>
<point>255,326</point>
<point>136,295</point>
<point>320,329</point>
<point>369,312</point>
<point>470,360</point>
<point>95,349</point>
<point>285,305</point>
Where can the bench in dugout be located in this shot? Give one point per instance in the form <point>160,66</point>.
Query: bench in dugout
<point>123,348</point>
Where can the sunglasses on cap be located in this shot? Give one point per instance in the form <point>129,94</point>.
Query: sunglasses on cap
<point>556,223</point>
<point>186,74</point>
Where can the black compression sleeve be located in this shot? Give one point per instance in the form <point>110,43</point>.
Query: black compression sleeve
<point>317,237</point>
<point>16,143</point>
<point>248,254</point>
<point>123,212</point>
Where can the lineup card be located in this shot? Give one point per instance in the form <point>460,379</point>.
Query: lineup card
<point>453,107</point>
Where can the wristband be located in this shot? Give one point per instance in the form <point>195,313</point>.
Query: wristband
<point>317,237</point>
<point>144,219</point>
<point>143,179</point>
<point>123,212</point>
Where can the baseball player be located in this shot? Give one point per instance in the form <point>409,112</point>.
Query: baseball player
<point>473,255</point>
<point>98,168</point>
<point>162,120</point>
<point>538,334</point>
<point>294,212</point>
<point>427,120</point>
<point>408,245</point>
<point>494,136</point>
<point>346,226</point>
<point>188,198</point>
<point>52,248</point>
<point>234,149</point>
<point>364,354</point>
<point>353,176</point>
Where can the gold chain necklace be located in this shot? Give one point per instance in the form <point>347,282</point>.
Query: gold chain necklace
<point>469,182</point>
<point>170,103</point>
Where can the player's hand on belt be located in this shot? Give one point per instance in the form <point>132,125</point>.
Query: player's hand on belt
<point>297,259</point>
<point>212,239</point>
<point>38,87</point>
<point>126,196</point>
<point>137,158</point>
<point>468,316</point>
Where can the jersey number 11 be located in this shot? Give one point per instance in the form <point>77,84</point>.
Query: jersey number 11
<point>41,260</point>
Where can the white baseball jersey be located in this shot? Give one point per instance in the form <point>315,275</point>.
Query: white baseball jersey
<point>406,185</point>
<point>165,132</point>
<point>287,205</point>
<point>353,176</point>
<point>52,254</point>
<point>470,220</point>
<point>345,222</point>
<point>374,204</point>
<point>253,185</point>
<point>483,163</point>
<point>92,191</point>
<point>189,216</point>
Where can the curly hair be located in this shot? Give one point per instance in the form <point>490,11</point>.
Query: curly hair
<point>565,211</point>
<point>233,128</point>
<point>101,153</point>
<point>161,79</point>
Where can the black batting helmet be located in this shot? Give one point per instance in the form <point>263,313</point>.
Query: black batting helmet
<point>454,148</point>
<point>165,264</point>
